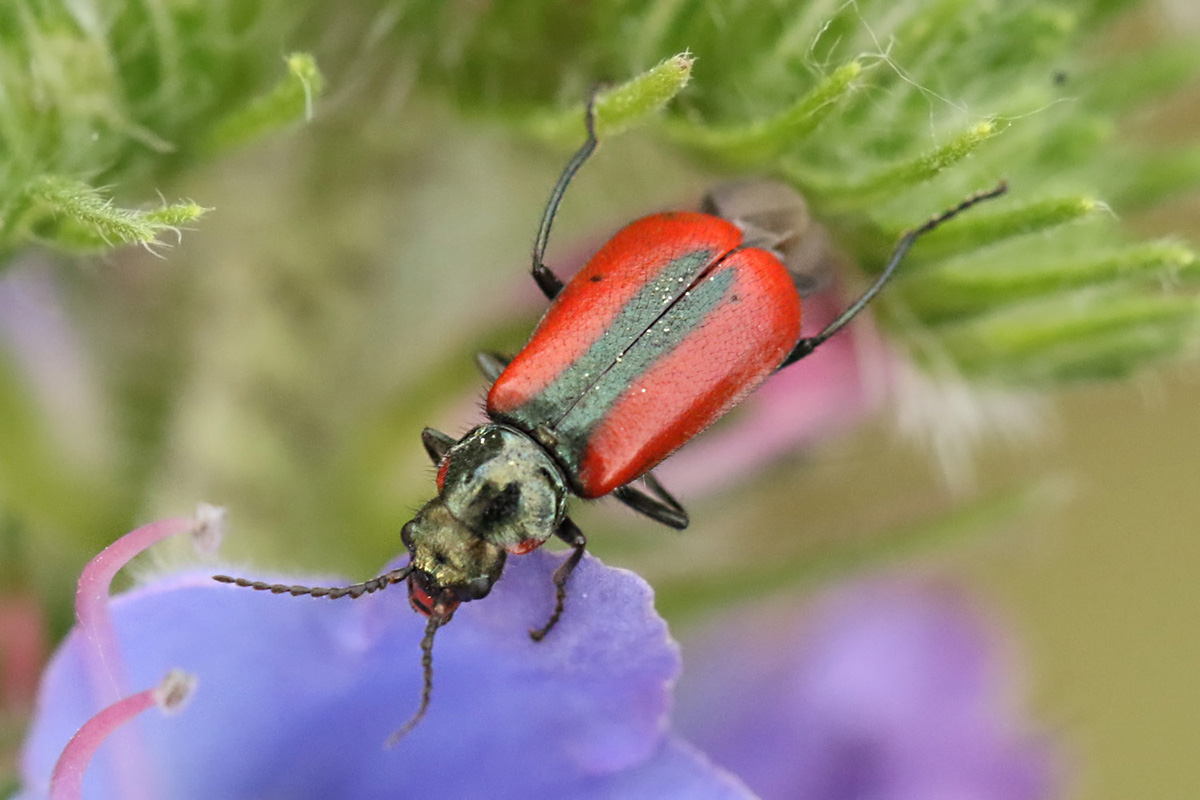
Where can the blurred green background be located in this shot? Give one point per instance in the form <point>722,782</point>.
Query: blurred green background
<point>282,358</point>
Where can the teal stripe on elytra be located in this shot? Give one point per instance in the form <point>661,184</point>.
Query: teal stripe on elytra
<point>554,402</point>
<point>668,332</point>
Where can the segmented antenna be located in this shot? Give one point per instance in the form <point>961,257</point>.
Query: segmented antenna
<point>431,627</point>
<point>353,591</point>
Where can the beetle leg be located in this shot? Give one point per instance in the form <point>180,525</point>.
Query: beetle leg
<point>806,345</point>
<point>569,532</point>
<point>436,443</point>
<point>658,504</point>
<point>491,365</point>
<point>547,281</point>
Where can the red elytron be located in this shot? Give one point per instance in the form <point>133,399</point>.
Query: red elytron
<point>672,323</point>
<point>647,346</point>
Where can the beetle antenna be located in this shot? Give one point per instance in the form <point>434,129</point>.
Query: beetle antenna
<point>353,591</point>
<point>807,345</point>
<point>549,282</point>
<point>435,622</point>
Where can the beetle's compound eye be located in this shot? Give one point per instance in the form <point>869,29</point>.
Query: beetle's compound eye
<point>476,589</point>
<point>406,535</point>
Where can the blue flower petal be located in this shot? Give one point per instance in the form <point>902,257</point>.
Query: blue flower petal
<point>296,696</point>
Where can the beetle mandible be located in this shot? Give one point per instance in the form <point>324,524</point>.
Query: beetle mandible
<point>670,325</point>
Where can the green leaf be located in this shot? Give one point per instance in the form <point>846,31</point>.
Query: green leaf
<point>74,216</point>
<point>762,140</point>
<point>618,108</point>
<point>966,286</point>
<point>980,229</point>
<point>858,187</point>
<point>1095,334</point>
<point>119,97</point>
<point>291,101</point>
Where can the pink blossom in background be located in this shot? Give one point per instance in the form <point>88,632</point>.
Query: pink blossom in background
<point>24,649</point>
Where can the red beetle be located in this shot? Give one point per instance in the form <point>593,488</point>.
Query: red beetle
<point>670,325</point>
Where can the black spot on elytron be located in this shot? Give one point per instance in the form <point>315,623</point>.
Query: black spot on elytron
<point>735,298</point>
<point>596,278</point>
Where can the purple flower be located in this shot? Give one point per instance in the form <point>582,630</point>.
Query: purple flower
<point>296,696</point>
<point>887,692</point>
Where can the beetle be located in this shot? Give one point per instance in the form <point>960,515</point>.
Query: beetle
<point>671,324</point>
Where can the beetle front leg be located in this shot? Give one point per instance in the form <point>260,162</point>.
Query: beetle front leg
<point>436,443</point>
<point>491,365</point>
<point>569,532</point>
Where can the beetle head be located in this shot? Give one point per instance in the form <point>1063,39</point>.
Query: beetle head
<point>498,491</point>
<point>450,564</point>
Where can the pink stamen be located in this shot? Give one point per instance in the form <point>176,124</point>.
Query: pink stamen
<point>91,603</point>
<point>66,782</point>
<point>92,591</point>
<point>101,653</point>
